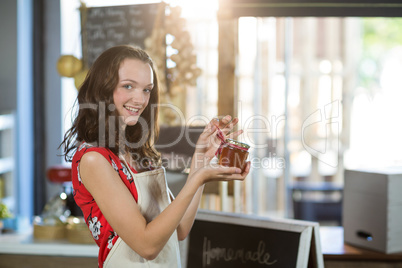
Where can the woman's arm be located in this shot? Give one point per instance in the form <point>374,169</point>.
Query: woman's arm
<point>122,212</point>
<point>206,147</point>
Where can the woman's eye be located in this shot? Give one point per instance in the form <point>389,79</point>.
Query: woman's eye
<point>148,90</point>
<point>128,86</point>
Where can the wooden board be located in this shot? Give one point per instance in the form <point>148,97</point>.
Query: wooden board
<point>235,240</point>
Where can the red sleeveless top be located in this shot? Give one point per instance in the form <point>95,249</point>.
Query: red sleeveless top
<point>103,234</point>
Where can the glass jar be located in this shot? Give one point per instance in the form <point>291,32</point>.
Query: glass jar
<point>233,154</point>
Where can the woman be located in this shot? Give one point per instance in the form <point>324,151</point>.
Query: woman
<point>118,180</point>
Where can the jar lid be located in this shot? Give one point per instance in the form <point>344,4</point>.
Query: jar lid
<point>238,143</point>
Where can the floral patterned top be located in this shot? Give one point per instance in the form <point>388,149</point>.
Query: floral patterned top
<point>103,234</point>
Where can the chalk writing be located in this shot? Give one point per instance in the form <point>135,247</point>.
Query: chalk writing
<point>116,25</point>
<point>96,13</point>
<point>259,255</point>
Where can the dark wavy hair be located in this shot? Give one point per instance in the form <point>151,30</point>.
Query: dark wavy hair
<point>96,120</point>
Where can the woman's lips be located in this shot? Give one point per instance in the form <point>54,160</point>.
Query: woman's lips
<point>132,110</point>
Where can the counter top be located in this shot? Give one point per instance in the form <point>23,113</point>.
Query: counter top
<point>25,244</point>
<point>333,247</point>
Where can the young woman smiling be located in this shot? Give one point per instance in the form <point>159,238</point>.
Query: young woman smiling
<point>118,179</point>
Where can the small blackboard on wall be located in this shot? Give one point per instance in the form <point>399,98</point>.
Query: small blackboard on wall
<point>105,27</point>
<point>225,240</point>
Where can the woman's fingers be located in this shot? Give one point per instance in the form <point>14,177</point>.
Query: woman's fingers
<point>247,168</point>
<point>210,139</point>
<point>210,130</point>
<point>228,128</point>
<point>226,124</point>
<point>235,134</point>
<point>224,121</point>
<point>228,173</point>
<point>211,127</point>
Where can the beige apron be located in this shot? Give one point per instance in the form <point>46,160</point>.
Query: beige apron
<point>153,198</point>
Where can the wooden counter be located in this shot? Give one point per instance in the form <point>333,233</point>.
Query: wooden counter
<point>338,254</point>
<point>21,250</point>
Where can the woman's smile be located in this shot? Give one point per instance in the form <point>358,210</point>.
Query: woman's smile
<point>133,91</point>
<point>132,110</point>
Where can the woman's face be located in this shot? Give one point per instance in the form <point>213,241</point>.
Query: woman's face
<point>133,89</point>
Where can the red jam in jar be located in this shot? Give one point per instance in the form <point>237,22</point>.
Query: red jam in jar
<point>234,154</point>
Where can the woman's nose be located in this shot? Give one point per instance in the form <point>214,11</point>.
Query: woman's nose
<point>138,96</point>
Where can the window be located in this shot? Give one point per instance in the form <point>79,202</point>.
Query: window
<point>70,45</point>
<point>325,87</point>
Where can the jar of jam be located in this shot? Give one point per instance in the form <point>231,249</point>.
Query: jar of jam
<point>233,154</point>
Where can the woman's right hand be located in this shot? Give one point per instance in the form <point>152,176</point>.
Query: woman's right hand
<point>215,172</point>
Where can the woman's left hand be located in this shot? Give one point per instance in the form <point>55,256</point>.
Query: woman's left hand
<point>209,141</point>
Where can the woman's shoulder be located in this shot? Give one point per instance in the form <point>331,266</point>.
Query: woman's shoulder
<point>93,158</point>
<point>86,148</point>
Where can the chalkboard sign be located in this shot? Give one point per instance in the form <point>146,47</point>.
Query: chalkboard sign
<point>104,27</point>
<point>232,240</point>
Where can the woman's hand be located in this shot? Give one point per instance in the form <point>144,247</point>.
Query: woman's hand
<point>215,172</point>
<point>206,147</point>
<point>204,170</point>
<point>209,141</point>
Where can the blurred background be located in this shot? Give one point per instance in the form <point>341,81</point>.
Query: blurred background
<point>315,95</point>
